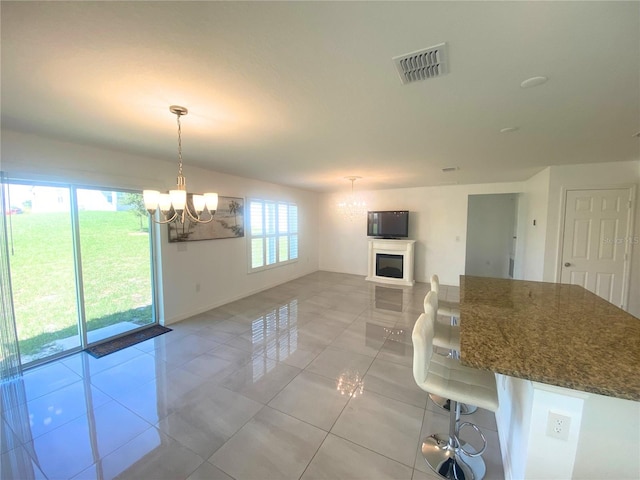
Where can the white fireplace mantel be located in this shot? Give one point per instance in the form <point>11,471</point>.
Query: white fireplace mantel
<point>402,248</point>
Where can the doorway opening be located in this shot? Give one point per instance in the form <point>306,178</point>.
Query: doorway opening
<point>492,235</point>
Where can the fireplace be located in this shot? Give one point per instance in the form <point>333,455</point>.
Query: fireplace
<point>391,261</point>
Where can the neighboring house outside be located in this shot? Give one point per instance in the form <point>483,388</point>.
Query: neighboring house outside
<point>51,199</point>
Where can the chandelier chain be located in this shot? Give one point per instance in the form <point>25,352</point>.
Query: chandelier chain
<point>179,145</point>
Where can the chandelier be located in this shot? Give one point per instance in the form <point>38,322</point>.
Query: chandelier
<point>177,206</point>
<point>352,206</point>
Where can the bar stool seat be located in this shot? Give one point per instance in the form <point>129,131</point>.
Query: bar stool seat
<point>446,454</point>
<point>447,377</point>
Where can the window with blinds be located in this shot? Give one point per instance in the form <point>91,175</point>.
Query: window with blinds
<point>273,233</point>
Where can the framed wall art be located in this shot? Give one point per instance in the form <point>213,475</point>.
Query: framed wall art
<point>228,222</point>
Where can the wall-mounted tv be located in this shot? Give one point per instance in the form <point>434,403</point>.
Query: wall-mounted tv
<point>388,224</point>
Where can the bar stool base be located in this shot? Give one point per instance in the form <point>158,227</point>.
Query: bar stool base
<point>445,404</point>
<point>450,463</point>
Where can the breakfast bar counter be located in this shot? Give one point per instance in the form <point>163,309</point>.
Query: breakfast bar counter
<point>559,352</point>
<point>551,333</point>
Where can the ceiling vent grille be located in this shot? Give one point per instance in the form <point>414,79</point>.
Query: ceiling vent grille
<point>423,64</point>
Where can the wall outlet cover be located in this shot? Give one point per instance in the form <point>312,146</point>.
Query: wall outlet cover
<point>558,426</point>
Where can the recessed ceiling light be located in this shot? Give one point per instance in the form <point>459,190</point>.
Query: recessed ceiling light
<point>533,82</point>
<point>509,129</point>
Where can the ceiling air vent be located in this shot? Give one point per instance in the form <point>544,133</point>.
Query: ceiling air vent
<point>427,63</point>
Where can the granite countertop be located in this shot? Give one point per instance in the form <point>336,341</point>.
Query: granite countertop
<point>552,333</point>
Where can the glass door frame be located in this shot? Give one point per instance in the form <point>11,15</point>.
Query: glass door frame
<point>77,257</point>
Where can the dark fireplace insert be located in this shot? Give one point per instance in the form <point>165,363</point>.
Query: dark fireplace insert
<point>389,265</point>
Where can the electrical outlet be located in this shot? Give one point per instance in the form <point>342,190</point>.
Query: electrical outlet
<point>558,426</point>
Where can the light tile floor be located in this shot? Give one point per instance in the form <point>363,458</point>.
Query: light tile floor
<point>310,379</point>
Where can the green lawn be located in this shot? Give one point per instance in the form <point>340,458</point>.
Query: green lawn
<point>116,274</point>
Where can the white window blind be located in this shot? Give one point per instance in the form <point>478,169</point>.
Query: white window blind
<point>273,232</point>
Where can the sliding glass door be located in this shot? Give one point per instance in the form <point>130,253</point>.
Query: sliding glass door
<point>116,267</point>
<point>81,266</point>
<point>43,279</point>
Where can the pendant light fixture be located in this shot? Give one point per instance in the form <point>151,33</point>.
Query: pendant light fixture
<point>352,207</point>
<point>176,206</point>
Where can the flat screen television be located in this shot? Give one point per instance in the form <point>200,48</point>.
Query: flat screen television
<point>388,224</point>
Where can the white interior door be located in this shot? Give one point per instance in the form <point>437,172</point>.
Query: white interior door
<point>596,242</point>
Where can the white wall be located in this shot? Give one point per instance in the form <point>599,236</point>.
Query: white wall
<point>437,221</point>
<point>533,208</point>
<point>218,266</point>
<point>490,231</point>
<point>591,175</point>
<point>606,420</point>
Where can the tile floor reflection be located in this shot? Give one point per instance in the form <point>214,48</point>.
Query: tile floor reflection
<point>310,379</point>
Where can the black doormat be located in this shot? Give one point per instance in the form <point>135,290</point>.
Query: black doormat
<point>126,341</point>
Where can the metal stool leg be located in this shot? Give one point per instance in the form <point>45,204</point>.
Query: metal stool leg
<point>444,454</point>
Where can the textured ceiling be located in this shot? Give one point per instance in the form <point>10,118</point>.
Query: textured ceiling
<point>306,93</point>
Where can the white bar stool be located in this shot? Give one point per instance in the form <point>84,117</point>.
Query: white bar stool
<point>446,309</point>
<point>446,454</point>
<point>446,336</point>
